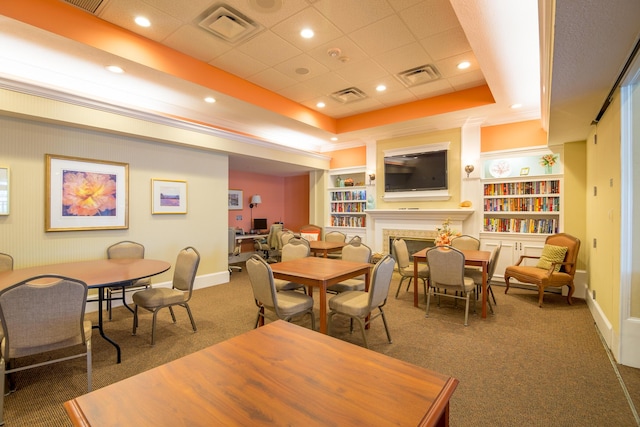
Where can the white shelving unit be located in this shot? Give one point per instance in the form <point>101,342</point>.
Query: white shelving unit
<point>347,204</point>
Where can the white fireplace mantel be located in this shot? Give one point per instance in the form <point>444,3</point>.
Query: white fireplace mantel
<point>410,219</point>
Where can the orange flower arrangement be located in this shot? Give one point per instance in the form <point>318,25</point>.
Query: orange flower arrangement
<point>445,234</point>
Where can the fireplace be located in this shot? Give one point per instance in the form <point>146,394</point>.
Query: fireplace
<point>414,244</point>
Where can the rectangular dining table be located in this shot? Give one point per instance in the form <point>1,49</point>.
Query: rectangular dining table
<point>280,374</point>
<point>318,272</point>
<point>97,274</point>
<point>473,258</point>
<point>324,248</point>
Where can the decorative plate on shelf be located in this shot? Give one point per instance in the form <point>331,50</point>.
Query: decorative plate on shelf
<point>500,169</point>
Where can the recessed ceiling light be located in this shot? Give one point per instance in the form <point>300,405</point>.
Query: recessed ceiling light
<point>321,104</point>
<point>464,65</point>
<point>114,69</point>
<point>514,106</point>
<point>334,138</point>
<point>142,21</point>
<point>210,99</point>
<point>381,88</point>
<point>307,33</point>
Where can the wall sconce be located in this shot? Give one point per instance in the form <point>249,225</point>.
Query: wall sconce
<point>255,201</point>
<point>468,169</point>
<point>372,177</point>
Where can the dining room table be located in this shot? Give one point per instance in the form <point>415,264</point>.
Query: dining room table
<point>323,247</point>
<point>280,374</point>
<point>97,274</point>
<point>471,258</point>
<point>320,272</point>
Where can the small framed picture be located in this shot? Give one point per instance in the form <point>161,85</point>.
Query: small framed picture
<point>524,171</point>
<point>168,196</point>
<point>235,200</point>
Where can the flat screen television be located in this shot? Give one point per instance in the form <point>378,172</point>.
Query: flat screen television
<point>260,224</point>
<point>416,172</point>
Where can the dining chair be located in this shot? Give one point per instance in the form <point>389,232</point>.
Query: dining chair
<point>155,299</point>
<point>6,262</point>
<point>120,250</point>
<point>358,305</point>
<point>446,267</point>
<point>465,242</point>
<point>555,267</point>
<point>42,314</point>
<point>355,239</point>
<point>311,232</point>
<point>335,236</point>
<point>400,253</point>
<point>476,275</point>
<point>354,252</point>
<point>296,248</point>
<point>233,249</point>
<point>284,304</point>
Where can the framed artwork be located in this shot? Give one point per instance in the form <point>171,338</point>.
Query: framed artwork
<point>168,197</point>
<point>4,190</point>
<point>235,200</point>
<point>524,171</point>
<point>85,194</point>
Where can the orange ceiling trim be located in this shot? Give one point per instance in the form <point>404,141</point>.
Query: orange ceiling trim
<point>469,98</point>
<point>73,23</point>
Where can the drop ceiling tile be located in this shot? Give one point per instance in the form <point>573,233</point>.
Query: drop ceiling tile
<point>300,92</point>
<point>291,68</point>
<point>404,58</point>
<point>328,83</point>
<point>269,48</point>
<point>467,80</point>
<point>350,15</point>
<point>383,36</point>
<point>185,11</point>
<point>397,97</point>
<point>290,28</point>
<point>447,43</point>
<point>435,88</point>
<point>399,5</point>
<point>238,63</point>
<point>268,19</point>
<point>272,79</point>
<point>365,105</point>
<point>123,12</point>
<point>348,48</point>
<point>361,71</point>
<point>429,18</point>
<point>448,67</point>
<point>197,43</point>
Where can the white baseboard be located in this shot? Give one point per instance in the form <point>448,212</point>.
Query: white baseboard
<point>602,323</point>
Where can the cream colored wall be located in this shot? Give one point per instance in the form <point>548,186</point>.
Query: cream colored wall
<point>453,161</point>
<point>24,145</point>
<point>603,213</point>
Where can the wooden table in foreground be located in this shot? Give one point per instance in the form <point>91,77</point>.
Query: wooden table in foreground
<point>323,247</point>
<point>97,274</point>
<point>475,258</point>
<point>320,273</point>
<point>279,374</point>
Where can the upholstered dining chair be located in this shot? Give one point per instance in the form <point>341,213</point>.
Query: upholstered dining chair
<point>284,304</point>
<point>556,266</point>
<point>465,242</point>
<point>42,314</point>
<point>335,236</point>
<point>6,262</point>
<point>355,239</point>
<point>357,305</point>
<point>125,249</point>
<point>155,299</point>
<point>354,252</point>
<point>297,247</point>
<point>405,266</point>
<point>446,267</point>
<point>311,232</point>
<point>476,275</point>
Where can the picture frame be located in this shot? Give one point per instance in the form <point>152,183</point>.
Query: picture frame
<point>69,181</point>
<point>235,200</point>
<point>524,171</point>
<point>5,192</point>
<point>168,196</point>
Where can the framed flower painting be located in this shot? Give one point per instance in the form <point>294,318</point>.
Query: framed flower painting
<point>85,194</point>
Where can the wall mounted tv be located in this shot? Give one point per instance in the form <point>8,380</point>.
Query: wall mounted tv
<point>416,171</point>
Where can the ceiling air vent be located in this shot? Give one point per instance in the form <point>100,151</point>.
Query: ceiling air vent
<point>229,24</point>
<point>345,96</point>
<point>89,5</point>
<point>418,75</point>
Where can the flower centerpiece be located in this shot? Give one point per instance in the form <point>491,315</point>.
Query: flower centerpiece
<point>548,160</point>
<point>445,234</point>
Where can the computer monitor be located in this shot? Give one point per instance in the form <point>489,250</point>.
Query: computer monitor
<point>260,224</point>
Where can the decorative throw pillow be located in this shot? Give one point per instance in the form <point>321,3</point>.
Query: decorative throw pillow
<point>310,236</point>
<point>550,254</point>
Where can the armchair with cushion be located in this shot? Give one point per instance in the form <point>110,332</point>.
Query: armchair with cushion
<point>311,232</point>
<point>556,266</point>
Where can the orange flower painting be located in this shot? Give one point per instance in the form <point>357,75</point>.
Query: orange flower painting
<point>88,194</point>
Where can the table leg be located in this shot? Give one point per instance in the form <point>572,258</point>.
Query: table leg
<point>484,289</point>
<point>101,292</point>
<point>415,282</point>
<point>323,309</point>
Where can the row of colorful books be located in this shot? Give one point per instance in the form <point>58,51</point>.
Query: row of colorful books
<point>347,221</point>
<point>522,188</point>
<point>520,225</point>
<point>523,204</point>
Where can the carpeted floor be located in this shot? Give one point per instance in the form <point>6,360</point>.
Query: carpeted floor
<point>523,366</point>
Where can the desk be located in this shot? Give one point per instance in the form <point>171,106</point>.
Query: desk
<point>476,258</point>
<point>97,274</point>
<point>246,241</point>
<point>322,247</point>
<point>320,272</point>
<point>279,374</point>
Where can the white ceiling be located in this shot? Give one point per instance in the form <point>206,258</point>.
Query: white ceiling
<point>381,38</point>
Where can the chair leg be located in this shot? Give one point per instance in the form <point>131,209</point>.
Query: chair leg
<point>193,323</point>
<point>153,327</point>
<point>466,311</point>
<point>506,282</point>
<point>399,286</point>
<point>489,290</point>
<point>386,327</point>
<point>428,301</point>
<point>425,286</point>
<point>135,319</point>
<point>364,336</point>
<point>89,375</point>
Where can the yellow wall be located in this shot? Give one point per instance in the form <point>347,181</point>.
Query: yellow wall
<point>574,193</point>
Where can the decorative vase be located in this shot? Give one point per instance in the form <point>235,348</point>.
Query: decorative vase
<point>548,169</point>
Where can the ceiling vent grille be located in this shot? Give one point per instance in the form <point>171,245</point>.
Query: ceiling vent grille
<point>229,24</point>
<point>418,75</point>
<point>346,96</point>
<point>89,5</point>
